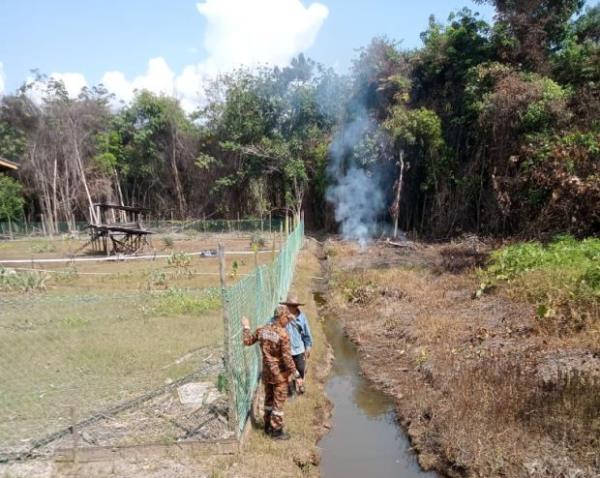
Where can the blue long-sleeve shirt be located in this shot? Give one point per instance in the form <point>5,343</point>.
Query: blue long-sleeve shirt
<point>300,336</point>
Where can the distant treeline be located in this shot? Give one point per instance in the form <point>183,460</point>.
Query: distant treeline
<point>493,129</point>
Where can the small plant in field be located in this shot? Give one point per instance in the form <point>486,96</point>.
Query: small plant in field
<point>423,356</point>
<point>23,281</point>
<point>176,301</point>
<point>234,270</point>
<point>329,250</point>
<point>216,474</point>
<point>358,290</point>
<point>41,247</point>
<point>73,321</point>
<point>180,260</point>
<point>168,242</point>
<point>68,276</point>
<point>257,241</point>
<point>157,279</point>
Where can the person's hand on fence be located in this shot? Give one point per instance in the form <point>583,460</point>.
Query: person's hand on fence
<point>245,323</point>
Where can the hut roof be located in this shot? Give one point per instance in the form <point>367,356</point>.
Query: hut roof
<point>5,163</point>
<point>122,208</point>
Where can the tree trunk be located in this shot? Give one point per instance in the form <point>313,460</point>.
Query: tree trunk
<point>395,209</point>
<point>82,173</point>
<point>180,198</point>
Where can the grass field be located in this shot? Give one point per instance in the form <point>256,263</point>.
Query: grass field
<point>85,336</point>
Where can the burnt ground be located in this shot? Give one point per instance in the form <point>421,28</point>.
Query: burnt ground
<point>480,388</point>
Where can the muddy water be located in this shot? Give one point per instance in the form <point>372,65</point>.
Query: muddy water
<point>365,440</point>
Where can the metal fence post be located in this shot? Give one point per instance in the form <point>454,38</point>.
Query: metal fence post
<point>232,412</point>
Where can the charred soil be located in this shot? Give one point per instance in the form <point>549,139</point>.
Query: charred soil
<point>481,387</point>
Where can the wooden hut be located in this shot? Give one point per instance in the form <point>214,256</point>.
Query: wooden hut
<point>118,229</point>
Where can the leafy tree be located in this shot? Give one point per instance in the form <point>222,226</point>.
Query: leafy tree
<point>148,146</point>
<point>577,61</point>
<point>533,28</point>
<point>11,200</point>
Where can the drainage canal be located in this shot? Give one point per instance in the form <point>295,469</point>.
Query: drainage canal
<point>365,439</point>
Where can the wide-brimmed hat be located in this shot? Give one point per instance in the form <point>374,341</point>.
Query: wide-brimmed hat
<point>292,299</point>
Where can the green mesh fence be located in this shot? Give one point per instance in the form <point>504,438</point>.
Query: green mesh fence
<point>255,297</point>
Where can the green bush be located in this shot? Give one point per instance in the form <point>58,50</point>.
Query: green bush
<point>257,241</point>
<point>564,252</point>
<point>22,281</point>
<point>41,247</point>
<point>179,260</point>
<point>157,279</point>
<point>562,278</point>
<point>178,302</point>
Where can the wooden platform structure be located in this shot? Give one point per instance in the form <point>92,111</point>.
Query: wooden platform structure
<point>5,164</point>
<point>119,229</point>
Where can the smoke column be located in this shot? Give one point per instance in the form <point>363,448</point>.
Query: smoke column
<point>354,172</point>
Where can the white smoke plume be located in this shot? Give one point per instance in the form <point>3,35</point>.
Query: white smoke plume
<point>355,171</point>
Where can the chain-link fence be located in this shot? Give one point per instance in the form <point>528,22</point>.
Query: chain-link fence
<point>196,226</point>
<point>110,364</point>
<point>109,353</point>
<point>255,297</point>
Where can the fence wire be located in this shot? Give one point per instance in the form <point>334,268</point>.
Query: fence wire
<point>82,354</point>
<point>76,358</point>
<point>21,230</point>
<point>255,297</point>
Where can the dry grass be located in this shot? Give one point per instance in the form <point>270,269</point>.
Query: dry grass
<point>481,388</point>
<point>65,246</point>
<point>89,342</point>
<point>105,349</point>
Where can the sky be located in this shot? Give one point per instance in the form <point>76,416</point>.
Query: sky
<point>174,46</point>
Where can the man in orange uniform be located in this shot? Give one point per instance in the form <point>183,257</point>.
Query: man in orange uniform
<point>278,367</point>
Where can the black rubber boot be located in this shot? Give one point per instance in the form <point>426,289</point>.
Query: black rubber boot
<point>280,434</point>
<point>268,428</point>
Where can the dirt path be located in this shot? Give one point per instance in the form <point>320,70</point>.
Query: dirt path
<point>480,390</point>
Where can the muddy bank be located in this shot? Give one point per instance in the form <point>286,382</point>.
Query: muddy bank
<point>479,389</point>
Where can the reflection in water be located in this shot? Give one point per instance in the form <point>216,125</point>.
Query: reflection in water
<point>365,440</point>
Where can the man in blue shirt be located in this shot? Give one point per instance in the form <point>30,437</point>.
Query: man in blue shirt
<point>300,337</point>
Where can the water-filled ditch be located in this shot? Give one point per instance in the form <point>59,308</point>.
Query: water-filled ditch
<point>365,439</point>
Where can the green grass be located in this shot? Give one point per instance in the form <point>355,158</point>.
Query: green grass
<point>562,277</point>
<point>564,253</point>
<point>22,281</point>
<point>90,342</point>
<point>177,301</point>
<point>90,335</point>
<point>90,354</point>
